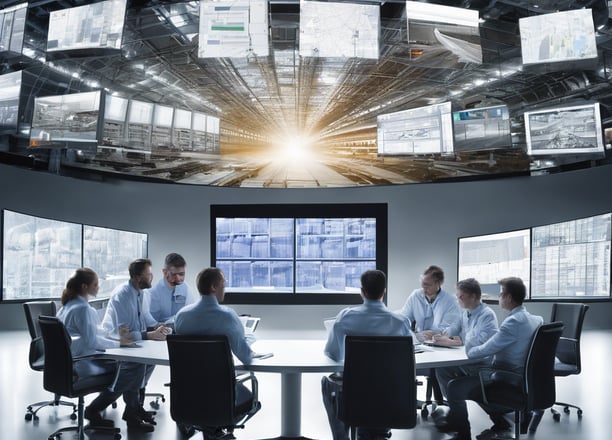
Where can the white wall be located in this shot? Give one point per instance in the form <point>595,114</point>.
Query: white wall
<point>425,221</point>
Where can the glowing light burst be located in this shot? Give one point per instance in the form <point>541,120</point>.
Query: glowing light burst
<point>293,148</point>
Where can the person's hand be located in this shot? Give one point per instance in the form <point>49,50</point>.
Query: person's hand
<point>444,339</point>
<point>159,334</point>
<point>425,335</point>
<point>124,339</point>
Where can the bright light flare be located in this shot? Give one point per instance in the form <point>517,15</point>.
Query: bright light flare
<point>293,148</point>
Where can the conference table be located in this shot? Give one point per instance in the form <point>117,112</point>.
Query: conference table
<point>291,358</point>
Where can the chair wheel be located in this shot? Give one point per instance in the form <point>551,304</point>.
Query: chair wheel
<point>117,436</point>
<point>566,410</point>
<point>154,404</point>
<point>163,399</point>
<point>73,416</point>
<point>114,405</point>
<point>556,417</point>
<point>424,413</point>
<point>35,417</point>
<point>28,417</point>
<point>579,413</point>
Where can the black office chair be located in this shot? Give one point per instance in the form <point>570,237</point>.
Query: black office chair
<point>203,386</point>
<point>568,351</point>
<point>33,310</point>
<point>534,390</point>
<point>60,378</point>
<point>379,383</point>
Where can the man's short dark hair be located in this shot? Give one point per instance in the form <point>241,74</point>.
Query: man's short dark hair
<point>207,278</point>
<point>174,260</point>
<point>435,272</point>
<point>137,267</point>
<point>470,286</point>
<point>514,287</point>
<point>373,283</point>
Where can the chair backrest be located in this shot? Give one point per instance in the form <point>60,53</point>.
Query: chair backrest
<point>202,380</point>
<point>379,382</point>
<point>540,367</point>
<point>58,374</point>
<point>572,316</point>
<point>33,310</point>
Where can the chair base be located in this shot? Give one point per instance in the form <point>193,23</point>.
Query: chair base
<point>566,409</point>
<point>155,403</point>
<point>32,409</point>
<point>81,431</point>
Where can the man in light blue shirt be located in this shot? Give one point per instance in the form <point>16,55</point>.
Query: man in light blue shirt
<point>508,349</point>
<point>126,318</point>
<point>369,319</point>
<point>171,293</point>
<point>430,309</point>
<point>476,326</point>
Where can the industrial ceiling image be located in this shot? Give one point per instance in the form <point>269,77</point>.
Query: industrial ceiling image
<point>267,93</point>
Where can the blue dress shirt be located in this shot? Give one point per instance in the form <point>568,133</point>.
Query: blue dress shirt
<point>125,309</point>
<point>509,346</point>
<point>208,317</point>
<point>372,318</point>
<point>475,327</point>
<point>163,302</point>
<point>437,316</point>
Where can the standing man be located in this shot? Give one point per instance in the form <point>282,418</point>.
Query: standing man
<point>430,309</point>
<point>508,349</point>
<point>171,293</point>
<point>124,316</point>
<point>369,319</point>
<point>477,325</point>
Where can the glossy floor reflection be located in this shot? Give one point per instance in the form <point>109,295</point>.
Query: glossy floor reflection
<point>20,386</point>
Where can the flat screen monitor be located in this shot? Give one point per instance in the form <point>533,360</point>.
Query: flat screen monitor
<point>233,28</point>
<point>483,128</point>
<point>343,30</point>
<point>10,91</point>
<point>38,255</point>
<point>558,37</point>
<point>572,259</point>
<point>109,252</point>
<point>488,258</point>
<point>454,29</point>
<point>12,28</point>
<point>297,254</point>
<point>66,120</point>
<point>564,130</point>
<point>423,130</point>
<point>88,27</point>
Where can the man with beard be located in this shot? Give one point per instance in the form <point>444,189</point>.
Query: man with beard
<point>171,293</point>
<point>124,316</point>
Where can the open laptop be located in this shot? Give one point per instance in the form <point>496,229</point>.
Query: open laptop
<point>250,323</point>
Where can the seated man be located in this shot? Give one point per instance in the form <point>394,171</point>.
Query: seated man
<point>369,319</point>
<point>208,317</point>
<point>477,325</point>
<point>508,348</point>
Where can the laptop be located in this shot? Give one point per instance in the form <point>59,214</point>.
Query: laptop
<point>250,323</point>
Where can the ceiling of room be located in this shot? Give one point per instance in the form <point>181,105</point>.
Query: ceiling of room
<point>333,100</point>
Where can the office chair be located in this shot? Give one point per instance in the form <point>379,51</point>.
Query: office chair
<point>33,310</point>
<point>203,386</point>
<point>568,351</point>
<point>534,390</point>
<point>59,374</point>
<point>379,383</point>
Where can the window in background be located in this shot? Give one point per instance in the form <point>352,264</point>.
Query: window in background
<point>109,252</point>
<point>572,259</point>
<point>297,254</point>
<point>38,256</point>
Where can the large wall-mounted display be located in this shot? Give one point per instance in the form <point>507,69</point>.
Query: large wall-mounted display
<point>39,255</point>
<point>344,30</point>
<point>423,130</point>
<point>88,27</point>
<point>233,28</point>
<point>296,254</point>
<point>569,260</point>
<point>10,93</point>
<point>566,130</point>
